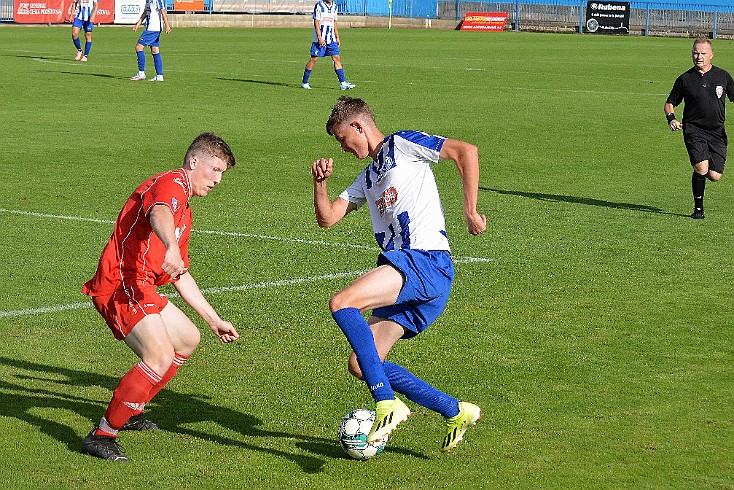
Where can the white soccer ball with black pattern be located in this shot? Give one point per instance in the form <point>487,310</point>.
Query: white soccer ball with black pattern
<point>353,430</point>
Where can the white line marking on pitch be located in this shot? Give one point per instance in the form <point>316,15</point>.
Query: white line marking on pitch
<point>234,234</point>
<point>217,290</point>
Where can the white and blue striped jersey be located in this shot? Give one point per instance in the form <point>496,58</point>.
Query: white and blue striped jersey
<point>326,15</point>
<point>154,20</point>
<point>85,9</point>
<point>400,191</point>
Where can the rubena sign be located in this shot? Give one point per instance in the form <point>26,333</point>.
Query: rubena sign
<point>58,11</point>
<point>484,21</point>
<point>608,17</point>
<point>188,5</point>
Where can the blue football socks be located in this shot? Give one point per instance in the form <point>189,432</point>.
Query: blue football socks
<point>306,75</point>
<point>420,392</point>
<point>77,43</point>
<point>360,337</point>
<point>158,62</point>
<point>340,74</point>
<point>87,48</point>
<point>141,60</point>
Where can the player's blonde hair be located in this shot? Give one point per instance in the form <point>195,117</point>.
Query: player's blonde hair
<point>211,144</point>
<point>347,108</point>
<point>702,40</point>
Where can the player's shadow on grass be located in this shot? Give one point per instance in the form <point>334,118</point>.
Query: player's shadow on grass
<point>101,75</point>
<point>262,82</point>
<point>40,386</point>
<point>583,200</point>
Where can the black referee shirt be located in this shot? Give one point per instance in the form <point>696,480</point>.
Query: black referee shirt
<point>703,95</point>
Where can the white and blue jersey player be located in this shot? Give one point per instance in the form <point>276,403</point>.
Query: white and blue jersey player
<point>409,288</point>
<point>84,12</point>
<point>325,42</point>
<point>156,20</point>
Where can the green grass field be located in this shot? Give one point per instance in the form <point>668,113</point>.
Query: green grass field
<point>596,335</point>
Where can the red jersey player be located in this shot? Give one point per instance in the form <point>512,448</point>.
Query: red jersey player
<point>149,248</point>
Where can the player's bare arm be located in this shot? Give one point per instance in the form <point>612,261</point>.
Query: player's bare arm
<point>165,22</point>
<point>192,295</point>
<point>161,220</point>
<point>328,213</point>
<point>317,26</point>
<point>140,21</point>
<point>466,158</point>
<point>674,124</point>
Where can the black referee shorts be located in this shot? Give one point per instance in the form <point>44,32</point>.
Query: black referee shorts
<point>704,144</point>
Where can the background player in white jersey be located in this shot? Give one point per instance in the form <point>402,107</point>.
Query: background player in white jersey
<point>85,13</point>
<point>156,20</point>
<point>409,288</point>
<point>325,42</point>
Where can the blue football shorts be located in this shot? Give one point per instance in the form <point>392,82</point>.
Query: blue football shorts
<point>150,38</point>
<point>321,51</point>
<point>428,279</point>
<point>85,25</point>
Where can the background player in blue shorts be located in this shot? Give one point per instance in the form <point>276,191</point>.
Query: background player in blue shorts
<point>86,11</point>
<point>155,19</point>
<point>408,289</point>
<point>325,42</point>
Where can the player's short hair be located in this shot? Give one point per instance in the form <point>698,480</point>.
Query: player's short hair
<point>347,108</point>
<point>702,40</point>
<point>211,144</point>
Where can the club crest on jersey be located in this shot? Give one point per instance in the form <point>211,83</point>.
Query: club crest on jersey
<point>389,197</point>
<point>719,91</point>
<point>174,203</point>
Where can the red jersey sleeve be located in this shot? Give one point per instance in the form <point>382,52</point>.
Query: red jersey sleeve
<point>170,189</point>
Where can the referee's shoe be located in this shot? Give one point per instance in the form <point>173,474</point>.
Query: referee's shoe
<point>697,213</point>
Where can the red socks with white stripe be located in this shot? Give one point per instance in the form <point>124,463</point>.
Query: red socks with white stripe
<point>135,389</point>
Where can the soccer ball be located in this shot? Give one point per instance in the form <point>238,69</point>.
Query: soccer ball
<point>353,430</point>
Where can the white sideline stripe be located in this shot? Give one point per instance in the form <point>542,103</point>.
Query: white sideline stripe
<point>234,234</point>
<point>194,230</point>
<point>218,290</point>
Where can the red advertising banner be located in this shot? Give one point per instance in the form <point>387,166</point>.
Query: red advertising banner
<point>57,11</point>
<point>39,11</point>
<point>484,21</point>
<point>105,12</point>
<point>190,5</point>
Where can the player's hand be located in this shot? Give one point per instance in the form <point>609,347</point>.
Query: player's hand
<point>135,27</point>
<point>173,264</point>
<point>225,331</point>
<point>322,169</point>
<point>168,29</point>
<point>476,223</point>
<point>675,125</point>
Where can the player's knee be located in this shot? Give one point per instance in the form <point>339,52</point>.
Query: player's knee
<point>160,361</point>
<point>338,301</point>
<point>353,367</point>
<point>189,342</point>
<point>714,176</point>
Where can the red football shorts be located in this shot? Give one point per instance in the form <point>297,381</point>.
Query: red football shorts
<point>122,310</point>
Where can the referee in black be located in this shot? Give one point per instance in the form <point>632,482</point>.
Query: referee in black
<point>702,88</point>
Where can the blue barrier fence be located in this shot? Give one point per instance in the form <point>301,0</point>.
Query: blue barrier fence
<point>684,17</point>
